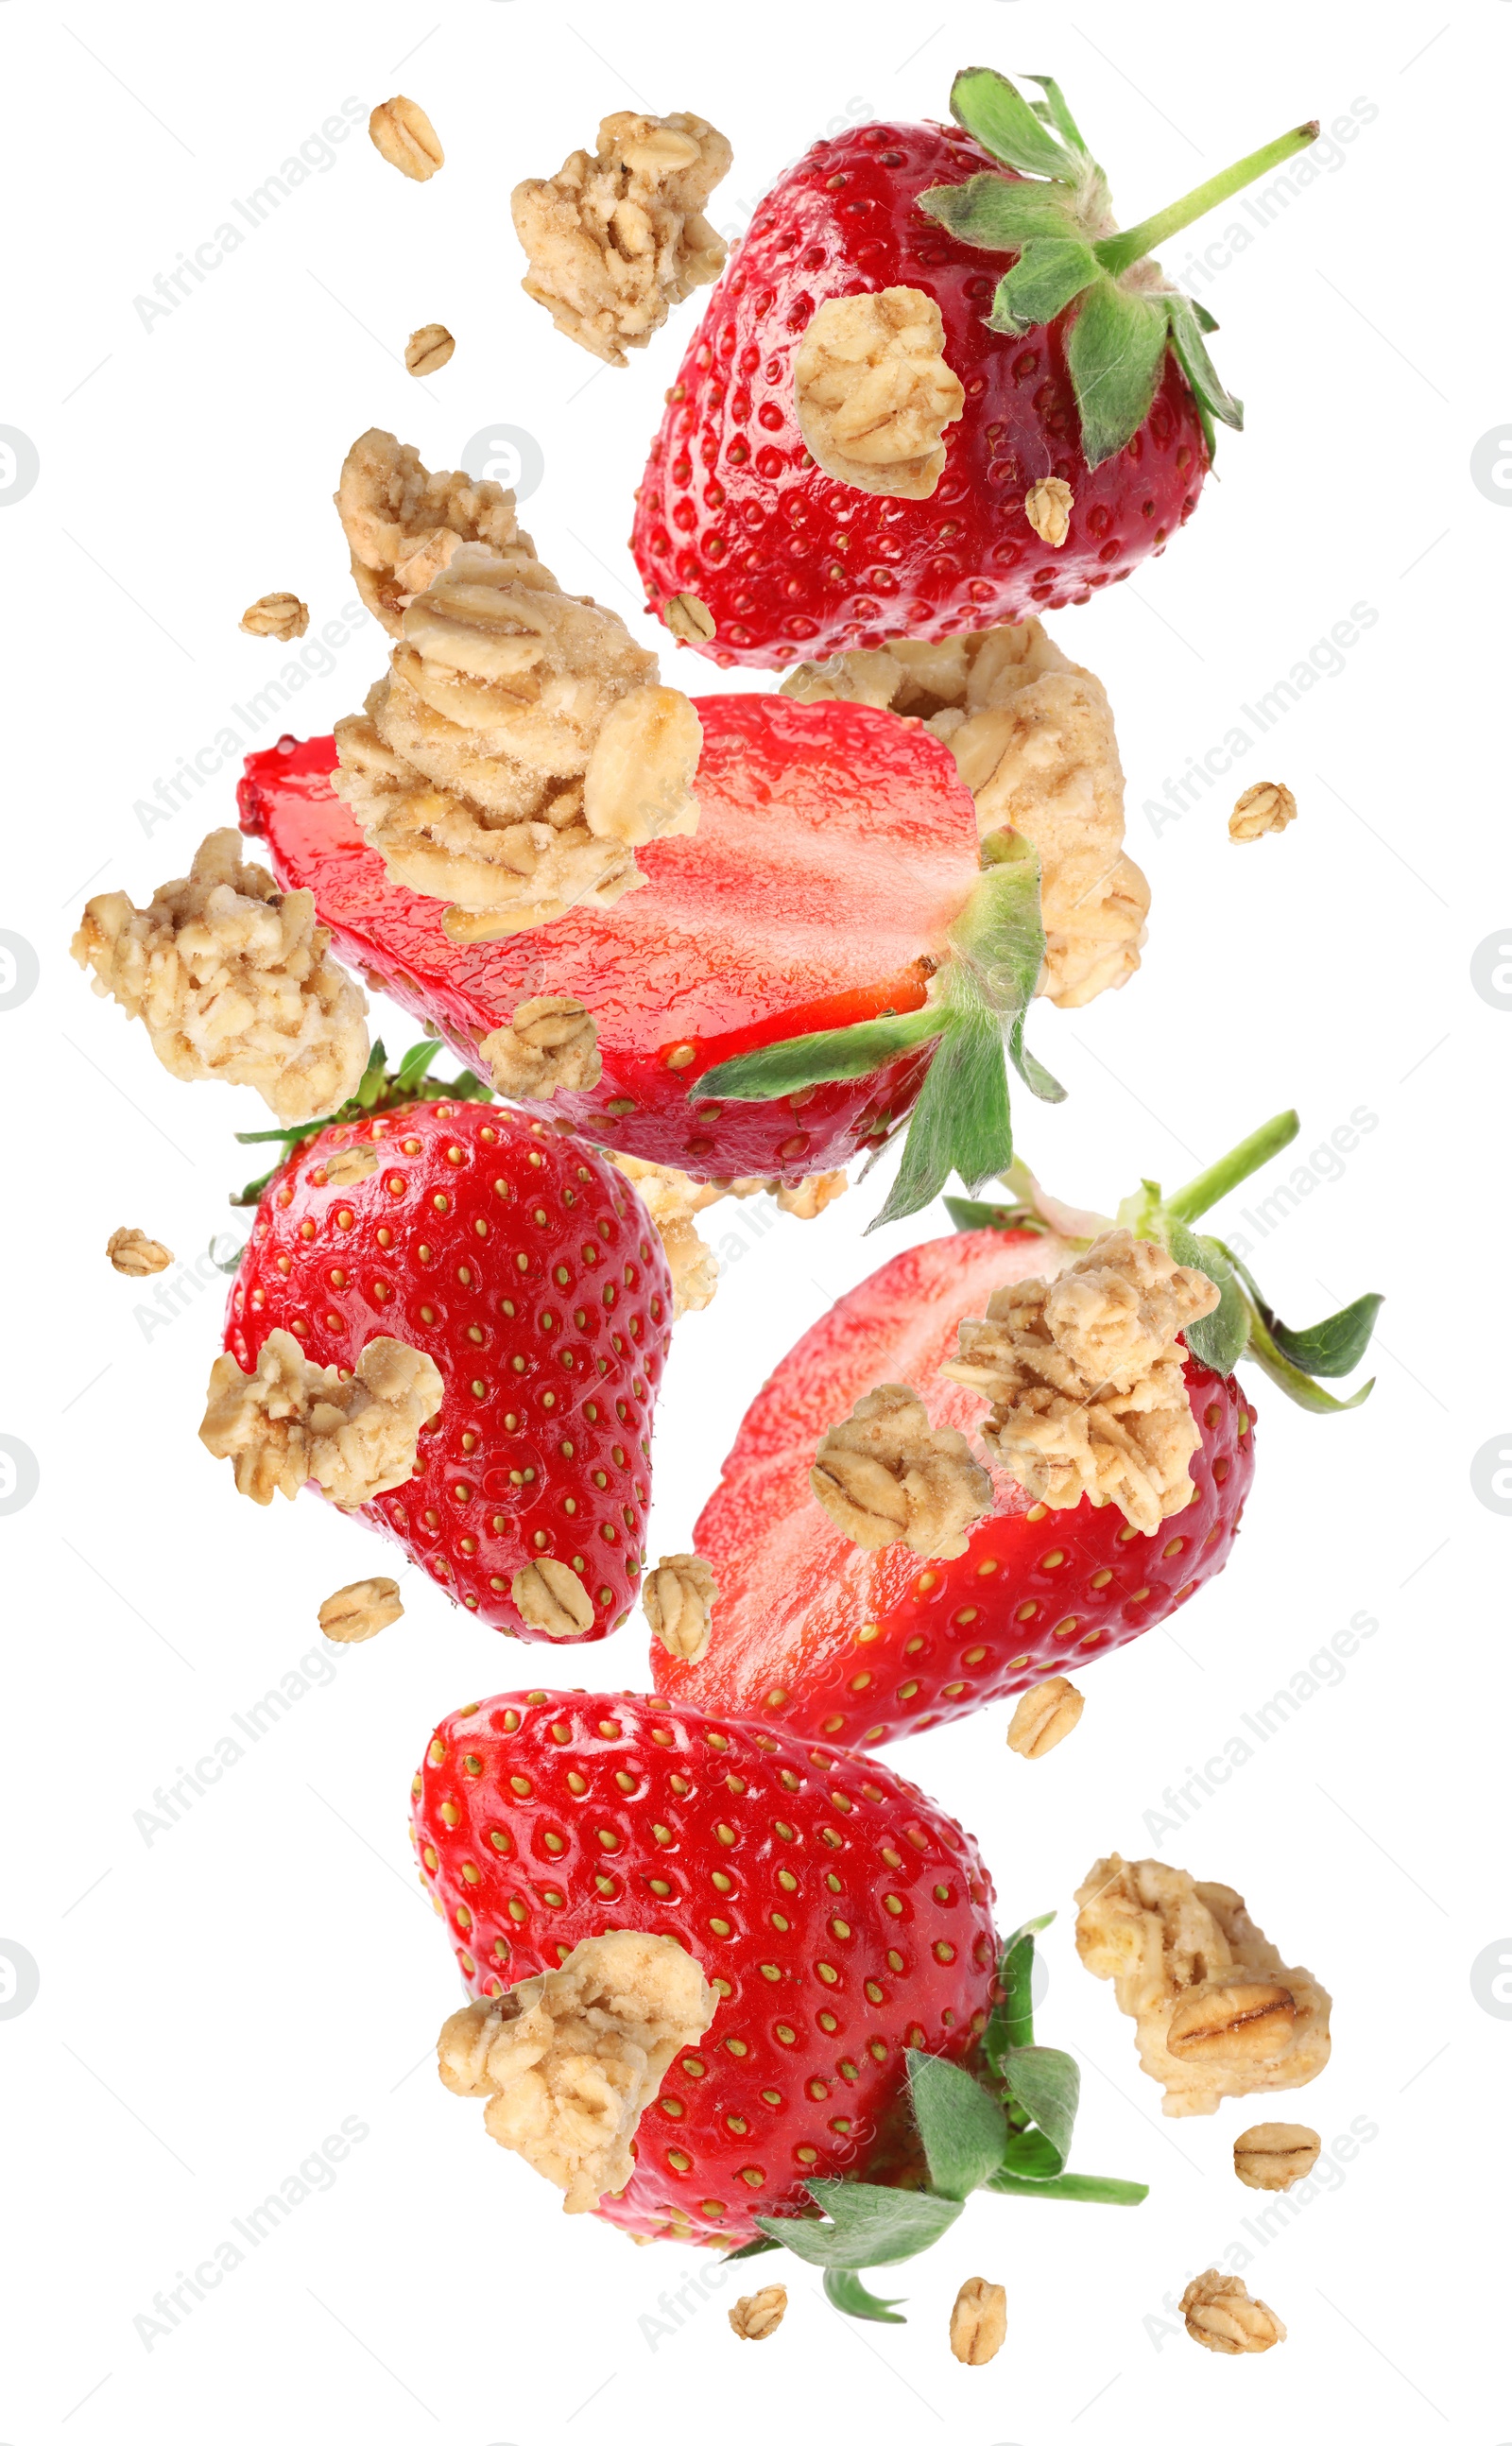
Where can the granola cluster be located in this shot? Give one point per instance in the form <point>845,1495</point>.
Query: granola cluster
<point>518,750</point>
<point>1217,2014</point>
<point>233,980</point>
<point>550,1043</point>
<point>291,1423</point>
<point>618,236</point>
<point>873,391</point>
<point>1033,734</point>
<point>886,1476</point>
<point>570,2060</point>
<point>1085,1376</point>
<point>403,523</point>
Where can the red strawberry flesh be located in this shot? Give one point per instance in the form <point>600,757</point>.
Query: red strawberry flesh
<point>793,565</point>
<point>835,847</point>
<point>813,1634</point>
<point>839,1914</point>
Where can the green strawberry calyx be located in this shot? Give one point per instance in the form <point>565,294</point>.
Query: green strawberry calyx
<point>378,1090</point>
<point>1054,215</point>
<point>1004,2125</point>
<point>1243,1325</point>
<point>979,1000</point>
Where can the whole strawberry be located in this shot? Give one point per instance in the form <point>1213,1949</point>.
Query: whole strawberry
<point>526,1267</point>
<point>843,1927</point>
<point>1013,407</point>
<point>815,1632</point>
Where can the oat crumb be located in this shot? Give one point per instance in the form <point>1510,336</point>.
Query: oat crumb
<point>1048,506</point>
<point>131,1253</point>
<point>755,2316</point>
<point>679,1598</point>
<point>1264,807</point>
<point>406,138</point>
<point>429,348</point>
<point>361,1610</point>
<point>1044,1716</point>
<point>1221,2316</point>
<point>979,2321</point>
<point>277,615</point>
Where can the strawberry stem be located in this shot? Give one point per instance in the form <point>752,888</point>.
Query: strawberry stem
<point>1126,247</point>
<point>1226,1174</point>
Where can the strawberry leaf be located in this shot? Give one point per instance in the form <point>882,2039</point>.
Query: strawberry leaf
<point>1218,1340</point>
<point>1055,110</point>
<point>961,1122</point>
<point>1010,2022</point>
<point>995,112</point>
<point>1202,374</point>
<point>978,1215</point>
<point>867,2225</point>
<point>1051,270</point>
<point>1105,2188</point>
<point>844,2288</point>
<point>753,2249</point>
<point>830,1053</point>
<point>1003,213</point>
<point>1294,1382</point>
<point>1114,353</point>
<point>1330,1349</point>
<point>965,2132</point>
<point>1033,2157</point>
<point>1046,2083</point>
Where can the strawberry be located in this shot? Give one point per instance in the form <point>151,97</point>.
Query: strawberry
<point>526,1267</point>
<point>1067,359</point>
<point>830,1641</point>
<point>832,927</point>
<point>840,1918</point>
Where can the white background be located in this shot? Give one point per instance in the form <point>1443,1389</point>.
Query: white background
<point>216,2001</point>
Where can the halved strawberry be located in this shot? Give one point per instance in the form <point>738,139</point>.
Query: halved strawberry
<point>834,897</point>
<point>814,1633</point>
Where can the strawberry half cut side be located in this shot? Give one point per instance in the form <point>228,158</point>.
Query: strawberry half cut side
<point>1079,364</point>
<point>869,2050</point>
<point>816,1634</point>
<point>831,934</point>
